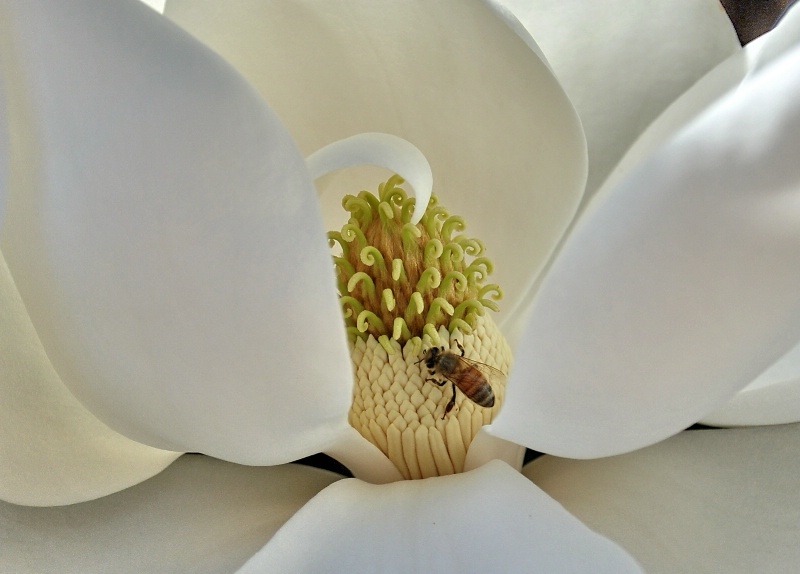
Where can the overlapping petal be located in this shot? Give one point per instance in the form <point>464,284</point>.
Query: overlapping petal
<point>623,62</point>
<point>704,501</point>
<point>487,520</point>
<point>506,148</point>
<point>677,287</point>
<point>201,515</point>
<point>165,237</point>
<point>52,450</point>
<point>773,397</point>
<point>739,69</point>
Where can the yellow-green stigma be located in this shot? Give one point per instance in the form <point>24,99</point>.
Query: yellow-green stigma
<point>406,288</point>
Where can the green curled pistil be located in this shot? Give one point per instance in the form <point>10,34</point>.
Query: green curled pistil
<point>400,281</point>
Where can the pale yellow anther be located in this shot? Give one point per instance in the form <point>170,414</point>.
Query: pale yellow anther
<point>397,269</point>
<point>388,299</point>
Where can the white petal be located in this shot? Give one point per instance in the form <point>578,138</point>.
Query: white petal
<point>201,516</point>
<point>505,146</point>
<point>485,447</point>
<point>382,150</point>
<point>758,403</point>
<point>157,5</point>
<point>362,458</point>
<point>773,398</point>
<point>4,152</point>
<point>166,239</point>
<point>622,62</point>
<point>740,68</point>
<point>675,290</point>
<point>52,450</point>
<point>702,502</point>
<point>487,520</point>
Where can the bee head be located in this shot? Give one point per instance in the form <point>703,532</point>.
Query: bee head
<point>431,356</point>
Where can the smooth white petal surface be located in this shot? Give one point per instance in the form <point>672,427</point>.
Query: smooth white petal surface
<point>488,520</point>
<point>166,239</point>
<point>675,289</point>
<point>703,502</point>
<point>485,447</point>
<point>622,62</point>
<point>505,146</point>
<point>52,450</point>
<point>201,515</point>
<point>773,398</point>
<point>362,458</point>
<point>759,403</point>
<point>739,69</point>
<point>157,5</point>
<point>4,152</point>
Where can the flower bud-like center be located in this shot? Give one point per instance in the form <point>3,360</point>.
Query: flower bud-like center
<point>429,362</point>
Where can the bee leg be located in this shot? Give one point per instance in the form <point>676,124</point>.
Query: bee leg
<point>452,402</point>
<point>460,347</point>
<point>434,381</point>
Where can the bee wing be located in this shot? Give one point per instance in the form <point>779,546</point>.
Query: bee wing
<point>492,375</point>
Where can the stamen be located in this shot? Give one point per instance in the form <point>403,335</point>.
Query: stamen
<point>407,287</point>
<point>397,269</point>
<point>430,279</point>
<point>371,256</point>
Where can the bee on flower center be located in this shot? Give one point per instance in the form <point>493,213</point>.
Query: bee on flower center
<point>473,378</point>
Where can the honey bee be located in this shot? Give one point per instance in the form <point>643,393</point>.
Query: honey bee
<point>473,378</point>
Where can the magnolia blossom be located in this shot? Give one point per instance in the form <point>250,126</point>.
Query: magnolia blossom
<point>167,285</point>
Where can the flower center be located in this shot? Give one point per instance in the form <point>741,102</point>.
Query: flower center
<point>429,361</point>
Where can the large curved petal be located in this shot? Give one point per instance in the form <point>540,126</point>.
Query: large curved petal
<point>201,515</point>
<point>52,450</point>
<point>165,237</point>
<point>505,145</point>
<point>622,62</point>
<point>675,290</point>
<point>487,520</point>
<point>773,397</point>
<point>702,502</point>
